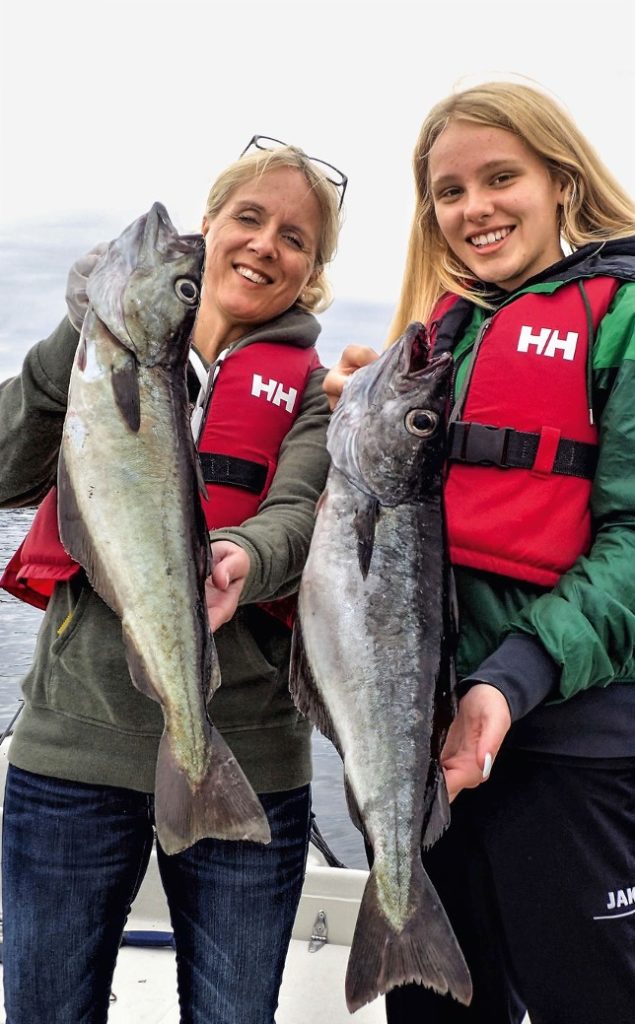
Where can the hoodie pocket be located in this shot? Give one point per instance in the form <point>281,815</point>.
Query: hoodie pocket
<point>253,650</point>
<point>86,674</point>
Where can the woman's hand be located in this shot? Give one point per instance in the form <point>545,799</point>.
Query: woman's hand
<point>230,568</point>
<point>474,738</point>
<point>353,357</point>
<point>77,282</point>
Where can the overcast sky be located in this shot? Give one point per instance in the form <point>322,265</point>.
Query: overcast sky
<point>110,105</point>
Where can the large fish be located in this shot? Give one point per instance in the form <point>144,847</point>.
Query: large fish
<point>130,513</point>
<point>372,662</point>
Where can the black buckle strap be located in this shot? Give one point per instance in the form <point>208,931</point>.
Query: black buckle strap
<point>507,448</point>
<point>232,471</point>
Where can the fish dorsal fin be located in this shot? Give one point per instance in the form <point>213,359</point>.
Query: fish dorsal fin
<point>125,387</point>
<point>304,690</point>
<point>366,516</point>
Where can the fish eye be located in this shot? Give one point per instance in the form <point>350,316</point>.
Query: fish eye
<point>421,422</point>
<point>187,291</point>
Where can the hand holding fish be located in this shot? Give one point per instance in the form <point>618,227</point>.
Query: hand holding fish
<point>230,568</point>
<point>76,284</point>
<point>353,358</point>
<point>474,738</point>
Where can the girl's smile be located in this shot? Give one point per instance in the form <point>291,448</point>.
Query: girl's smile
<point>496,203</point>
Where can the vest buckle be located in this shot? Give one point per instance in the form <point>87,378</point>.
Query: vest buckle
<point>480,444</point>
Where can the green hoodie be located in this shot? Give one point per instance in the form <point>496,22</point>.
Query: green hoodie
<point>83,719</point>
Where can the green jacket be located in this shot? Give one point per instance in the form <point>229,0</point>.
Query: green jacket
<point>83,719</point>
<point>570,642</point>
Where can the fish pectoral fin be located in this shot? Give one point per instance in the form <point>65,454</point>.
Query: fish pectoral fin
<point>364,522</point>
<point>220,805</point>
<point>304,690</point>
<point>423,950</point>
<point>125,387</point>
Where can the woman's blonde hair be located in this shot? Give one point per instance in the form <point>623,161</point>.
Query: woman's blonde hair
<point>596,207</point>
<point>316,296</point>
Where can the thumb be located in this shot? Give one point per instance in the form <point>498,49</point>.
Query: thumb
<point>489,742</point>
<point>221,577</point>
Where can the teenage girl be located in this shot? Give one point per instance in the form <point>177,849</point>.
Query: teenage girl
<point>537,869</point>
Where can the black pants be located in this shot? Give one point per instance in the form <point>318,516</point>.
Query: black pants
<point>537,875</point>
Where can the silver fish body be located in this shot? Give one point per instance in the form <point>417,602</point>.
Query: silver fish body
<point>372,657</point>
<point>130,513</point>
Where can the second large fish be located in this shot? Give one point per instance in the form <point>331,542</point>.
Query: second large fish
<point>372,661</point>
<point>130,514</point>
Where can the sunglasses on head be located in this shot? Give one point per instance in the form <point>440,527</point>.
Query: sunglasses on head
<point>332,174</point>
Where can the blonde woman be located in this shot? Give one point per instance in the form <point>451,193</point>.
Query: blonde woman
<point>536,868</point>
<point>78,812</point>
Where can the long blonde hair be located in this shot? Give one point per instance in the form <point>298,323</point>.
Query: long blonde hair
<point>596,207</point>
<point>317,295</point>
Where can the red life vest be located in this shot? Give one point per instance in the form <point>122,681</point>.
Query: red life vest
<point>255,402</point>
<point>528,374</point>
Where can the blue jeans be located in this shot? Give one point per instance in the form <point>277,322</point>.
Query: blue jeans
<point>74,857</point>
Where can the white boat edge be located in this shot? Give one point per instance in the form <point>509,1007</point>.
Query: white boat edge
<point>144,984</point>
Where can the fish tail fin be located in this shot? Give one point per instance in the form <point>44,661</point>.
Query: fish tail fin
<point>425,951</point>
<point>222,805</point>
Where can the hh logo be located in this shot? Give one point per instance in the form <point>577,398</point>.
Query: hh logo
<point>274,392</point>
<point>548,342</point>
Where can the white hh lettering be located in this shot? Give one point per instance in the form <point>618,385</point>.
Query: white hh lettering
<point>548,342</point>
<point>621,898</point>
<point>285,397</point>
<point>274,392</point>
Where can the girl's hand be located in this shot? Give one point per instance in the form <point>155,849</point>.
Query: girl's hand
<point>474,738</point>
<point>230,568</point>
<point>353,357</point>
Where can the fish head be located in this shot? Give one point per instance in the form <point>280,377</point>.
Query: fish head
<point>146,288</point>
<point>388,432</point>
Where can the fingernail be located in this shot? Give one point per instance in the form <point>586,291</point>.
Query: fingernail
<point>487,767</point>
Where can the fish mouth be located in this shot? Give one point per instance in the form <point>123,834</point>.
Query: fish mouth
<point>419,357</point>
<point>417,349</point>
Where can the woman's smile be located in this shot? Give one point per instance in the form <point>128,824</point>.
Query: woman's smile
<point>252,275</point>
